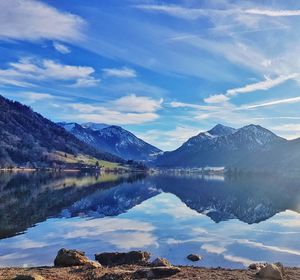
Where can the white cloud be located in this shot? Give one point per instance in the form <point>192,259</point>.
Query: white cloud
<point>130,109</point>
<point>288,131</point>
<point>61,48</point>
<point>138,104</point>
<point>176,11</point>
<point>115,117</point>
<point>169,139</point>
<point>37,96</point>
<point>273,13</point>
<point>218,98</point>
<point>124,72</point>
<point>263,85</point>
<point>287,127</point>
<point>176,104</point>
<point>34,20</point>
<point>272,103</point>
<point>28,70</point>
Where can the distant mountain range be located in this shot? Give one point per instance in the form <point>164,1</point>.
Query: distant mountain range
<point>27,138</point>
<point>113,139</point>
<point>226,146</point>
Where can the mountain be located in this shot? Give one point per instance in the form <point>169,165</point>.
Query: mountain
<point>283,156</point>
<point>220,146</point>
<point>113,139</point>
<point>27,138</point>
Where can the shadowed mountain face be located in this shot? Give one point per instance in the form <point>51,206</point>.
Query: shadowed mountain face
<point>27,199</point>
<point>27,137</point>
<point>113,139</point>
<point>220,146</point>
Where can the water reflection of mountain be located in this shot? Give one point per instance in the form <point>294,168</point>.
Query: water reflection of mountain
<point>29,198</point>
<point>249,199</point>
<point>112,201</point>
<point>26,199</point>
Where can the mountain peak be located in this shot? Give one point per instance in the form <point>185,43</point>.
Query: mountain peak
<point>221,130</point>
<point>94,126</point>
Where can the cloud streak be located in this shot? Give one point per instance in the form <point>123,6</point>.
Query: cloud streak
<point>273,13</point>
<point>61,48</point>
<point>263,85</point>
<point>124,72</point>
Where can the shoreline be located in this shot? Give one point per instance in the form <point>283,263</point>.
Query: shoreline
<point>70,264</point>
<point>129,272</point>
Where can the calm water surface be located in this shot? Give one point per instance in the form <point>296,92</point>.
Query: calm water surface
<point>230,222</point>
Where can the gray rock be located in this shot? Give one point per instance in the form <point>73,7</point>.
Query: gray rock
<point>156,272</point>
<point>271,272</point>
<point>160,262</point>
<point>67,257</point>
<point>194,257</point>
<point>112,259</point>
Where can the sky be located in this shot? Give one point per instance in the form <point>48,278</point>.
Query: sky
<point>165,70</point>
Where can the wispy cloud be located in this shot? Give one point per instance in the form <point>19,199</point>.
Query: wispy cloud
<point>28,71</point>
<point>34,20</point>
<point>273,13</point>
<point>124,72</point>
<point>272,103</point>
<point>177,11</point>
<point>263,85</point>
<point>61,48</point>
<point>176,104</point>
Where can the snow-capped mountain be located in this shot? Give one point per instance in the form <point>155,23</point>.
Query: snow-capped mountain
<point>113,139</point>
<point>220,146</point>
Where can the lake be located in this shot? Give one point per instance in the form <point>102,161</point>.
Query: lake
<point>230,222</point>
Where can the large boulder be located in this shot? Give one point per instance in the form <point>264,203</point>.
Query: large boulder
<point>271,272</point>
<point>194,257</point>
<point>160,262</point>
<point>133,257</point>
<point>67,257</point>
<point>156,272</point>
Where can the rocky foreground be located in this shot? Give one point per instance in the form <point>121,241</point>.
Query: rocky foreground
<point>74,265</point>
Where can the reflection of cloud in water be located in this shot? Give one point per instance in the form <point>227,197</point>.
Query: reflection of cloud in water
<point>92,236</point>
<point>166,227</point>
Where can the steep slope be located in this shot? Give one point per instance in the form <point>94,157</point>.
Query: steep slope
<point>113,139</point>
<point>28,138</point>
<point>220,146</point>
<point>283,156</point>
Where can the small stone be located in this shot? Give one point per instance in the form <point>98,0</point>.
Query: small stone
<point>256,266</point>
<point>270,271</point>
<point>194,257</point>
<point>29,277</point>
<point>92,265</point>
<point>160,262</point>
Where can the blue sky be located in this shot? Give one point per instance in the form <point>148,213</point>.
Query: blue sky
<point>164,70</point>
